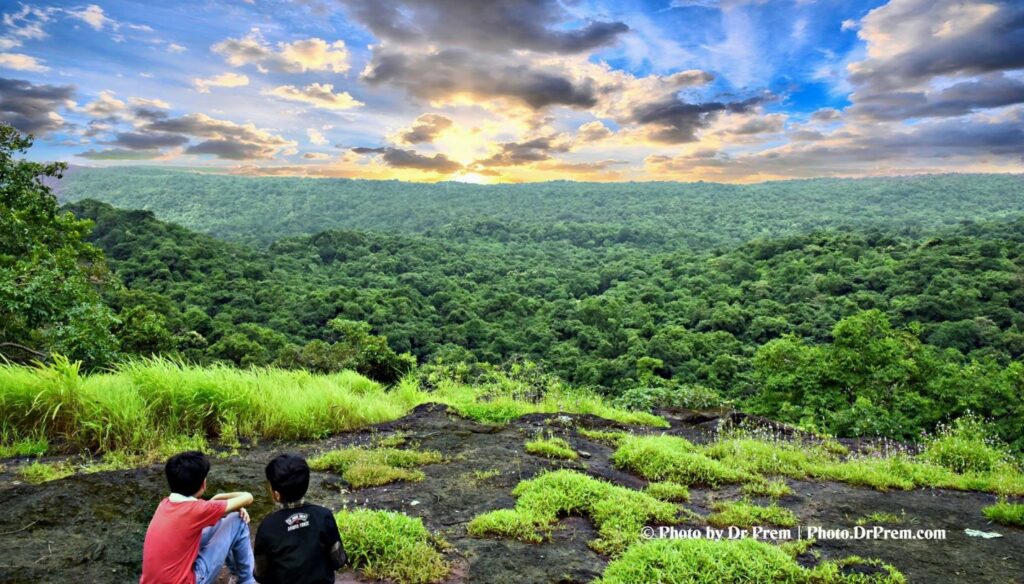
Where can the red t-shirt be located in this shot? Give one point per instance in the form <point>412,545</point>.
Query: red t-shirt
<point>172,540</point>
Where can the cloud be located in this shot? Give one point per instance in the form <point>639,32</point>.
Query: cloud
<point>141,141</point>
<point>503,26</point>
<point>826,114</point>
<point>317,94</point>
<point>312,54</point>
<point>912,41</point>
<point>527,152</point>
<point>119,154</point>
<point>92,15</point>
<point>945,143</point>
<point>985,92</point>
<point>316,137</point>
<point>106,105</point>
<point>593,132</point>
<point>425,129</point>
<point>441,76</point>
<point>316,156</point>
<point>33,108</point>
<point>222,80</point>
<point>27,23</point>
<point>672,120</point>
<point>22,62</point>
<point>222,138</point>
<point>399,158</point>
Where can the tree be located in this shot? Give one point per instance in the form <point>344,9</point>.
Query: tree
<point>49,275</point>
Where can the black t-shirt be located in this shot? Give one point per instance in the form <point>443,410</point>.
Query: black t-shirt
<point>293,546</point>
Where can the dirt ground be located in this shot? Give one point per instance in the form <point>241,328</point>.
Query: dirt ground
<point>89,528</point>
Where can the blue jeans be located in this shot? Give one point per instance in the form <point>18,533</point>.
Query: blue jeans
<point>226,542</point>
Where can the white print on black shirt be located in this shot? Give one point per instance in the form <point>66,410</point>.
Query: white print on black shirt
<point>296,521</point>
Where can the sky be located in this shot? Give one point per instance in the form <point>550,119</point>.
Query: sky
<point>521,90</point>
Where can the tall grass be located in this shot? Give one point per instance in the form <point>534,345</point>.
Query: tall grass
<point>141,406</point>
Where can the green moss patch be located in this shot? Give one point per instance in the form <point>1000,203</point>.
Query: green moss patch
<point>386,545</point>
<point>556,448</point>
<point>618,512</point>
<point>1006,513</point>
<point>371,467</point>
<point>747,514</point>
<point>670,458</point>
<point>668,491</point>
<point>741,561</point>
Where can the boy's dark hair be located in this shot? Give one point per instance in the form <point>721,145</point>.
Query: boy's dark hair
<point>186,472</point>
<point>288,474</point>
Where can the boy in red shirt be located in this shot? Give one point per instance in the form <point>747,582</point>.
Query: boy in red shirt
<point>189,539</point>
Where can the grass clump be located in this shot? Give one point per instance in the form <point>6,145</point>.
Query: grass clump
<point>746,514</point>
<point>24,447</point>
<point>602,436</point>
<point>1006,513</point>
<point>661,458</point>
<point>42,472</point>
<point>881,518</point>
<point>556,448</point>
<point>668,491</point>
<point>386,545</point>
<point>371,467</point>
<point>141,405</point>
<point>960,458</point>
<point>703,561</point>
<point>764,488</point>
<point>619,513</point>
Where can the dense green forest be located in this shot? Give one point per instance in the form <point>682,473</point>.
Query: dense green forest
<point>871,307</point>
<point>667,216</point>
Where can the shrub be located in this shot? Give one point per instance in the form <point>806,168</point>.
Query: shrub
<point>683,397</point>
<point>964,447</point>
<point>392,546</point>
<point>551,448</point>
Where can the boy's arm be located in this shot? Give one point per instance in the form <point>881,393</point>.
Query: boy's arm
<point>235,501</point>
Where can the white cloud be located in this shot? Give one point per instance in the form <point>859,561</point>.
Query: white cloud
<point>21,62</point>
<point>223,80</point>
<point>175,48</point>
<point>311,54</point>
<point>316,137</point>
<point>317,94</point>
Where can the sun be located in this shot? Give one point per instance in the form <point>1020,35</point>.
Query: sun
<point>475,178</point>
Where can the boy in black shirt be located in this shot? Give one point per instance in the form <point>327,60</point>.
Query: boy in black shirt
<point>299,543</point>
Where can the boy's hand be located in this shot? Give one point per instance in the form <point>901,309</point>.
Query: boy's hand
<point>244,515</point>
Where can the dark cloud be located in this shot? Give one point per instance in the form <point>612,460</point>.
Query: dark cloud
<point>231,150</point>
<point>675,121</point>
<point>497,26</point>
<point>425,129</point>
<point>150,113</point>
<point>916,40</point>
<point>985,92</point>
<point>826,114</point>
<point>526,152</point>
<point>399,158</point>
<point>119,154</point>
<point>440,75</point>
<point>139,141</point>
<point>33,108</point>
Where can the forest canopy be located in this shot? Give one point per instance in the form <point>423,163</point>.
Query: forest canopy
<point>862,308</point>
